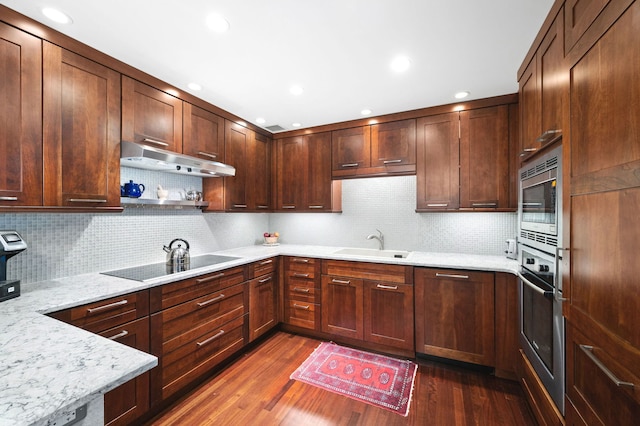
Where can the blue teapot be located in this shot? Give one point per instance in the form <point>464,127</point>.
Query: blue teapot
<point>130,189</point>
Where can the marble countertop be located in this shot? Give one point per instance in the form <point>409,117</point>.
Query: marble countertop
<point>48,367</point>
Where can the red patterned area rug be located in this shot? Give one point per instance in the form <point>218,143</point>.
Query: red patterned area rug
<point>376,379</point>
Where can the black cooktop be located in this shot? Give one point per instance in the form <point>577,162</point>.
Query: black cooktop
<point>157,270</point>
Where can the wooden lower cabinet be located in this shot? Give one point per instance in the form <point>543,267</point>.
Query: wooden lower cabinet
<point>302,292</point>
<point>342,306</point>
<point>388,314</point>
<point>263,297</point>
<point>542,406</point>
<point>455,314</point>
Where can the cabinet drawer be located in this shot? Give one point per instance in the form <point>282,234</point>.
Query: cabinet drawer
<point>303,290</point>
<point>105,314</point>
<point>194,358</point>
<point>302,265</point>
<point>262,267</point>
<point>192,319</point>
<point>371,271</point>
<point>303,314</point>
<point>182,291</point>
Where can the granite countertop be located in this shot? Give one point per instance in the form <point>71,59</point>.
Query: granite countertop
<point>48,367</point>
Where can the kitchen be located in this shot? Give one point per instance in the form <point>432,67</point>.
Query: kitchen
<point>68,244</point>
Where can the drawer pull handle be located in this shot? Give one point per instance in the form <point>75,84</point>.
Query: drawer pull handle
<point>119,335</point>
<point>153,141</point>
<point>305,307</point>
<point>387,287</point>
<point>206,280</point>
<point>345,282</point>
<point>211,339</point>
<point>266,262</point>
<point>208,302</point>
<point>239,206</point>
<point>588,351</point>
<point>109,306</point>
<point>297,275</point>
<point>289,207</point>
<point>549,135</point>
<point>462,277</point>
<point>87,200</point>
<point>349,165</point>
<point>207,154</point>
<point>263,207</point>
<point>437,204</point>
<point>484,204</point>
<point>8,198</point>
<point>264,280</point>
<point>527,151</point>
<point>301,290</point>
<point>316,207</point>
<point>298,260</point>
<point>391,161</point>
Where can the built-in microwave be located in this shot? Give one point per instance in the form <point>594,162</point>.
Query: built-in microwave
<point>540,202</point>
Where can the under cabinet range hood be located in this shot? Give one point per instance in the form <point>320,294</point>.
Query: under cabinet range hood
<point>142,156</point>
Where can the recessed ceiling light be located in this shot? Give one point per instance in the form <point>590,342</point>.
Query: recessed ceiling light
<point>296,124</point>
<point>194,86</point>
<point>217,23</point>
<point>260,120</point>
<point>57,16</point>
<point>461,95</point>
<point>400,64</point>
<point>296,90</point>
<point>366,111</point>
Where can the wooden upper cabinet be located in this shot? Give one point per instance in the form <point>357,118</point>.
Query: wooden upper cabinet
<point>394,144</point>
<point>351,150</point>
<point>291,156</point>
<point>202,133</point>
<point>484,158</point>
<point>438,160</point>
<point>151,116</point>
<point>579,15</point>
<point>319,185</point>
<point>20,118</point>
<point>81,131</point>
<point>259,172</point>
<point>235,187</point>
<point>541,89</point>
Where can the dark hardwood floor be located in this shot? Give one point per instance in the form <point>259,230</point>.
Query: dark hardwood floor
<point>256,390</point>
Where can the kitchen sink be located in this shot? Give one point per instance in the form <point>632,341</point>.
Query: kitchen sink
<point>397,254</point>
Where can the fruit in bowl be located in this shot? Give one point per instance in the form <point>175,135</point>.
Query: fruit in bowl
<point>271,238</point>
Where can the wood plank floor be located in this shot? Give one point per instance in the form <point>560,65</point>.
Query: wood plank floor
<point>256,390</point>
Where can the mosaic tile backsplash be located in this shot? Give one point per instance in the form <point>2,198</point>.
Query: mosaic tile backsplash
<point>70,244</point>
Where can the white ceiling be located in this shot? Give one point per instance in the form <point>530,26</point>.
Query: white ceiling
<point>338,50</point>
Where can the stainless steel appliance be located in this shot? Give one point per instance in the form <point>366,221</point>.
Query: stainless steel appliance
<point>11,243</point>
<point>540,286</point>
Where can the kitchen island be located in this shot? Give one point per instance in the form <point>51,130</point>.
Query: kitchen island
<point>49,368</point>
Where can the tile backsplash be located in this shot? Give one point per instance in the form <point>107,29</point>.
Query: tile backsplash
<point>68,244</point>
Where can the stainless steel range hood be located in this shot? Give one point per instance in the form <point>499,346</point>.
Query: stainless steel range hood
<point>143,156</point>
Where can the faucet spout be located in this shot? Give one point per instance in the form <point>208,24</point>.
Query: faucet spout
<point>379,237</point>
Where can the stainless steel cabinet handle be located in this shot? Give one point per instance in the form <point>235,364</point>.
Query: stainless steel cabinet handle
<point>263,207</point>
<point>391,161</point>
<point>264,280</point>
<point>349,165</point>
<point>549,135</point>
<point>437,204</point>
<point>305,307</point>
<point>119,335</point>
<point>316,207</point>
<point>109,306</point>
<point>558,277</point>
<point>208,302</point>
<point>387,287</point>
<point>345,282</point>
<point>87,200</point>
<point>301,275</point>
<point>484,204</point>
<point>207,154</point>
<point>301,290</point>
<point>211,339</point>
<point>289,207</point>
<point>463,277</point>
<point>153,141</point>
<point>299,260</point>
<point>588,351</point>
<point>8,198</point>
<point>239,206</point>
<point>527,151</point>
<point>266,262</point>
<point>206,280</point>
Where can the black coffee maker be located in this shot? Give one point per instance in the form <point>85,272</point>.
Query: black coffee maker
<point>11,243</point>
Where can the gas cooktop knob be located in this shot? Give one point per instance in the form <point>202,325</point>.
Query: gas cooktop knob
<point>543,268</point>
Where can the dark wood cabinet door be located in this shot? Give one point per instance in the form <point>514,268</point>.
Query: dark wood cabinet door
<point>259,173</point>
<point>438,154</point>
<point>81,131</point>
<point>393,144</point>
<point>291,173</point>
<point>455,314</point>
<point>318,193</point>
<point>202,133</point>
<point>484,158</point>
<point>151,116</point>
<point>20,118</point>
<point>262,305</point>
<point>235,187</point>
<point>342,306</point>
<point>529,100</point>
<point>579,15</point>
<point>388,314</point>
<point>351,150</point>
<point>553,74</point>
<point>130,400</point>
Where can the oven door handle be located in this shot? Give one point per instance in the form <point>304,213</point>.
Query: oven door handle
<point>532,286</point>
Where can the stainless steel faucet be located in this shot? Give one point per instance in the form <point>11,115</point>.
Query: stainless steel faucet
<point>380,238</point>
